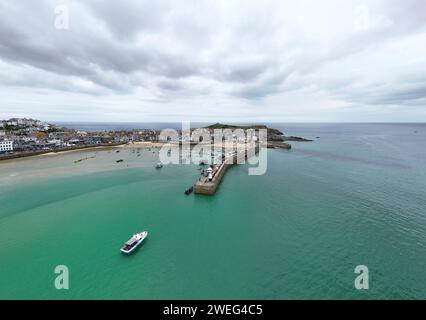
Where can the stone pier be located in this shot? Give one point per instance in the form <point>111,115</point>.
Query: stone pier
<point>209,187</point>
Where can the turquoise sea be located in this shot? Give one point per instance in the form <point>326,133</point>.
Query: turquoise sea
<point>354,196</point>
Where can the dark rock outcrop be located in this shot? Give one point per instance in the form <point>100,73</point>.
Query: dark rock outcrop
<point>297,139</point>
<point>278,145</point>
<point>276,139</point>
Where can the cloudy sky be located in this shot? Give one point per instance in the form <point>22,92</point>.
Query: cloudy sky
<point>217,60</point>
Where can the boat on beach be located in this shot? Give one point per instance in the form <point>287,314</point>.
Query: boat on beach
<point>134,242</point>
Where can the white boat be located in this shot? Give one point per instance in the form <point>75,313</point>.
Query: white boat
<point>134,242</point>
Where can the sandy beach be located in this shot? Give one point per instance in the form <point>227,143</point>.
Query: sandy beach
<point>141,145</point>
<point>133,145</point>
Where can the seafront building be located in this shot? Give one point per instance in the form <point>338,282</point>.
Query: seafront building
<point>22,136</point>
<point>6,146</point>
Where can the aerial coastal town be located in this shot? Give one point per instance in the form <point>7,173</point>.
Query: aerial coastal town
<point>21,136</point>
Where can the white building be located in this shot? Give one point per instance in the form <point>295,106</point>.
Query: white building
<point>74,142</point>
<point>56,142</point>
<point>6,146</point>
<point>29,139</point>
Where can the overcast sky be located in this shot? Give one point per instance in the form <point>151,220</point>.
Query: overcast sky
<point>233,60</point>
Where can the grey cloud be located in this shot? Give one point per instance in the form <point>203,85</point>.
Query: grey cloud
<point>255,92</point>
<point>165,51</point>
<point>86,55</point>
<point>267,84</point>
<point>126,19</point>
<point>244,70</point>
<point>412,94</point>
<point>169,85</point>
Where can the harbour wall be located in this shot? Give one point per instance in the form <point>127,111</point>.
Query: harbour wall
<point>206,187</point>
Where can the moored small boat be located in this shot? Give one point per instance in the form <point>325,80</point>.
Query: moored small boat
<point>189,191</point>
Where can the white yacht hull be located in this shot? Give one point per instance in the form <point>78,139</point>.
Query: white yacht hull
<point>143,236</point>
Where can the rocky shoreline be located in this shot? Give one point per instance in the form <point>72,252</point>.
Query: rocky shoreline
<point>278,145</point>
<point>276,139</point>
<point>296,139</point>
<point>280,142</point>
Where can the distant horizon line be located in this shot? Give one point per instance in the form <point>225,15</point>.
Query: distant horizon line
<point>213,122</point>
<point>238,122</point>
